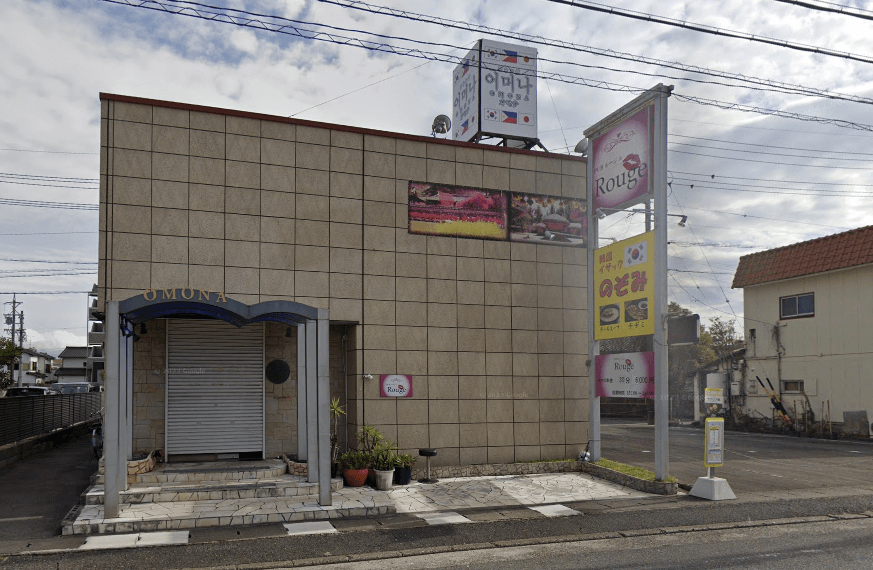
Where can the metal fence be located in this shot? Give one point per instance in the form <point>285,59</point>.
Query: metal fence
<point>28,416</point>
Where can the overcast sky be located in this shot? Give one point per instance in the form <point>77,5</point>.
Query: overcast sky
<point>58,55</point>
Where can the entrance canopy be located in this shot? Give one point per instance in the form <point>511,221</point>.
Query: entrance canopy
<point>313,378</point>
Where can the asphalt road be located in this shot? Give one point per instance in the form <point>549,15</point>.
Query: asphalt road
<point>37,492</point>
<point>754,463</point>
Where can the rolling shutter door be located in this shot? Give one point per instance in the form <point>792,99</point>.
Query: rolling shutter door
<point>215,387</point>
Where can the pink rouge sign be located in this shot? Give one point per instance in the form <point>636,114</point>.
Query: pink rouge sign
<point>621,160</point>
<point>626,375</point>
<point>395,386</point>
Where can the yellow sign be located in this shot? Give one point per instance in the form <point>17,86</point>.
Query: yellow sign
<point>713,444</point>
<point>624,288</point>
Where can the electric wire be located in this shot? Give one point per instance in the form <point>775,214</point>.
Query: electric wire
<point>45,151</point>
<point>767,84</point>
<point>765,218</point>
<point>815,150</point>
<point>770,161</point>
<point>833,8</point>
<point>771,153</point>
<point>711,179</point>
<point>771,179</point>
<point>50,205</point>
<point>369,45</point>
<point>712,30</point>
<point>48,261</point>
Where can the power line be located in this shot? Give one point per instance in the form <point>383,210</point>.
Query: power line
<point>768,84</point>
<point>735,126</point>
<point>50,185</point>
<point>765,218</point>
<point>772,153</point>
<point>701,244</point>
<point>816,150</point>
<point>44,292</point>
<point>44,177</point>
<point>834,8</point>
<point>51,205</point>
<point>48,261</point>
<point>770,161</point>
<point>44,233</point>
<point>788,193</point>
<point>711,179</point>
<point>292,30</point>
<point>771,179</point>
<point>712,30</point>
<point>46,152</point>
<point>47,275</point>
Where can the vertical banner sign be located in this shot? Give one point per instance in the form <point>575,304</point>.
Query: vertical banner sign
<point>626,375</point>
<point>465,97</point>
<point>624,288</point>
<point>621,161</point>
<point>713,454</point>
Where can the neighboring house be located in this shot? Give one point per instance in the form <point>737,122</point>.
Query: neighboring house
<point>74,367</point>
<point>35,368</point>
<point>728,373</point>
<point>807,312</point>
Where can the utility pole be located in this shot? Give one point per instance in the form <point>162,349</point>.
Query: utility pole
<point>14,316</point>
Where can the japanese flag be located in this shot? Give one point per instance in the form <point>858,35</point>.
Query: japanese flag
<point>636,254</point>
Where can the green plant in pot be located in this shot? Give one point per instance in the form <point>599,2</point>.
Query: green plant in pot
<point>336,410</point>
<point>384,457</point>
<point>368,439</point>
<point>355,464</point>
<point>403,468</point>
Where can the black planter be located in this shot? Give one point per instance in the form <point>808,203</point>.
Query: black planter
<point>402,475</point>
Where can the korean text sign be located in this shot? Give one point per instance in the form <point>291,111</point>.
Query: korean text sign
<point>624,288</point>
<point>621,162</point>
<point>626,375</point>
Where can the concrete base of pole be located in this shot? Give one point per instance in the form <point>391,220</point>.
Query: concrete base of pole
<point>712,489</point>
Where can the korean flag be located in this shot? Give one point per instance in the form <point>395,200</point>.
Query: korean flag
<point>636,254</point>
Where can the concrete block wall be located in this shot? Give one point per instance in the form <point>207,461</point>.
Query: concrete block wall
<point>266,208</point>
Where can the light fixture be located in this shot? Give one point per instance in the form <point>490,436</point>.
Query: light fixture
<point>682,221</point>
<point>368,376</point>
<point>441,125</point>
<point>582,147</point>
<point>600,214</point>
<point>549,235</point>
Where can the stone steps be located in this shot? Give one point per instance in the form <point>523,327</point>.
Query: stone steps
<point>142,517</point>
<point>204,471</point>
<point>212,490</point>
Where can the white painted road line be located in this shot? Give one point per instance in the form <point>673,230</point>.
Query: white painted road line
<point>447,517</point>
<point>111,541</point>
<point>555,510</point>
<point>315,527</point>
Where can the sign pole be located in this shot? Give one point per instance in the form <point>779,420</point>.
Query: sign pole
<point>662,391</point>
<point>593,345</point>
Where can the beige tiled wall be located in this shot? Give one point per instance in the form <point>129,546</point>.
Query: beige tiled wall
<point>494,333</point>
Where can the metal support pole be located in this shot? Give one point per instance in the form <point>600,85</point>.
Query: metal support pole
<point>593,345</point>
<point>302,443</point>
<point>312,400</point>
<point>112,460</point>
<point>662,390</point>
<point>324,491</point>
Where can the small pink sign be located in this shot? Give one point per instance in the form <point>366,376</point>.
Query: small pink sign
<point>625,375</point>
<point>621,160</point>
<point>395,386</point>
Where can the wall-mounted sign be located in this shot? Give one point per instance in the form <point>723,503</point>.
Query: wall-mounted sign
<point>395,386</point>
<point>534,218</point>
<point>626,375</point>
<point>621,161</point>
<point>494,92</point>
<point>623,295</point>
<point>439,209</point>
<point>460,211</point>
<point>713,453</point>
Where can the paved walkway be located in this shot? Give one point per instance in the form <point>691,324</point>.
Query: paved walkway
<point>446,495</point>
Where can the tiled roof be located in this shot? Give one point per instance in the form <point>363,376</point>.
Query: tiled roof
<point>74,352</point>
<point>839,251</point>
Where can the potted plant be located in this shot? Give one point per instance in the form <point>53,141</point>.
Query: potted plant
<point>368,439</point>
<point>335,412</point>
<point>383,458</point>
<point>355,467</point>
<point>403,468</point>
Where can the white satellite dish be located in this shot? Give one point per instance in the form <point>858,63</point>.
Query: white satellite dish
<point>581,147</point>
<point>441,125</point>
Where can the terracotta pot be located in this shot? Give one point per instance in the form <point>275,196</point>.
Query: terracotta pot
<point>355,477</point>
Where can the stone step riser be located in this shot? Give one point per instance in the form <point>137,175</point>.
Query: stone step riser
<point>214,495</point>
<point>156,478</point>
<point>82,528</point>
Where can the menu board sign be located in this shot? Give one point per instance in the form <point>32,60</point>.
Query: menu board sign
<point>624,288</point>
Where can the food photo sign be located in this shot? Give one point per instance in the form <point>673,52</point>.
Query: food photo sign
<point>461,211</point>
<point>625,375</point>
<point>624,288</point>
